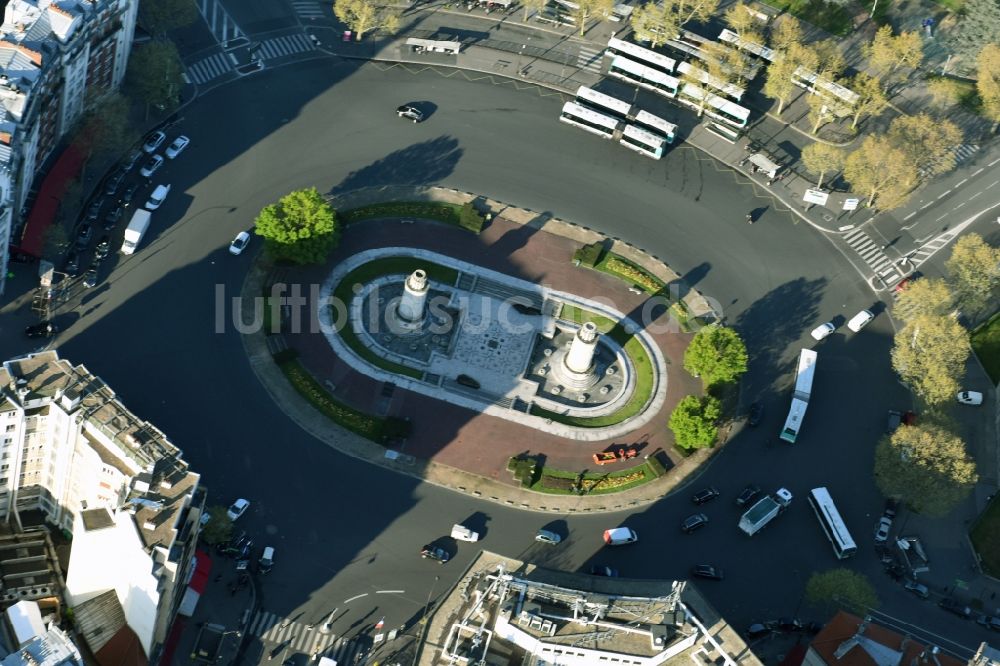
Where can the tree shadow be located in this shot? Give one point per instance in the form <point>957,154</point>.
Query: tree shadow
<point>418,165</point>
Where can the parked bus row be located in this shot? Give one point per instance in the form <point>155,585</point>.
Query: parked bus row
<point>655,72</point>
<point>612,118</point>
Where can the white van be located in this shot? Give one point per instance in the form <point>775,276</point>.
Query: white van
<point>860,320</point>
<point>266,561</point>
<point>620,536</point>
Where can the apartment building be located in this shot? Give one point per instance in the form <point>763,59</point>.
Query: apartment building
<point>55,55</point>
<point>72,452</point>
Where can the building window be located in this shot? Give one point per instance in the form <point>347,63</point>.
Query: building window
<point>10,427</point>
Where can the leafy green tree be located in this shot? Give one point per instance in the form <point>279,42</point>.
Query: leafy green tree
<point>155,73</point>
<point>926,296</point>
<point>878,169</point>
<point>927,142</point>
<point>693,422</point>
<point>929,354</point>
<point>105,128</point>
<point>717,355</point>
<point>887,53</point>
<point>778,84</point>
<point>872,100</point>
<point>589,9</point>
<point>301,227</point>
<point>821,111</point>
<point>786,33</point>
<point>945,93</point>
<point>988,80</point>
<point>218,529</point>
<point>655,23</point>
<point>820,158</point>
<point>841,588</point>
<point>363,16</point>
<point>161,16</point>
<point>926,466</point>
<point>974,268</point>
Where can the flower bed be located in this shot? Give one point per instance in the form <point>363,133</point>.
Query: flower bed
<point>626,269</point>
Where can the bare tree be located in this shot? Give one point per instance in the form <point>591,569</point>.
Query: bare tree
<point>878,169</point>
<point>887,53</point>
<point>533,5</point>
<point>928,144</point>
<point>871,98</point>
<point>363,16</point>
<point>588,9</point>
<point>655,23</point>
<point>820,158</point>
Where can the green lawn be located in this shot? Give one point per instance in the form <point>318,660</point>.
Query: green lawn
<point>366,273</point>
<point>986,343</point>
<point>833,18</point>
<point>986,538</point>
<point>640,360</point>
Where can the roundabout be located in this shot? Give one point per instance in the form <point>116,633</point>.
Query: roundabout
<point>346,527</point>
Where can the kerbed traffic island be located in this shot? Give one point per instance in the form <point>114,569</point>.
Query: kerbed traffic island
<point>578,371</point>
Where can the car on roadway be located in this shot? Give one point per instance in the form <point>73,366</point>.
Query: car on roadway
<point>125,200</point>
<point>989,622</point>
<point>239,243</point>
<point>620,536</point>
<point>903,284</point>
<point>151,166</point>
<point>112,218</point>
<point>755,414</point>
<point>707,571</point>
<point>955,606</point>
<point>436,553</point>
<point>103,247</point>
<point>970,397</point>
<point>154,141</point>
<point>410,112</point>
<point>882,529</point>
<point>893,421</point>
<point>823,330</point>
<point>748,495</point>
<point>132,160</point>
<point>43,329</point>
<point>83,235</point>
<point>759,630</point>
<point>238,508</point>
<point>157,197</point>
<point>114,181</point>
<point>918,589</point>
<point>177,147</point>
<point>603,570</point>
<point>266,561</point>
<point>705,495</point>
<point>90,277</point>
<point>547,536</point>
<point>694,522</point>
<point>891,506</point>
<point>72,265</point>
<point>860,320</point>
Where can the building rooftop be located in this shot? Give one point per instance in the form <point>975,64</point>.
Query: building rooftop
<point>847,640</point>
<point>52,648</point>
<point>504,610</point>
<point>29,567</point>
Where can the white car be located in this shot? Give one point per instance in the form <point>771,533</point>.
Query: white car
<point>823,330</point>
<point>882,530</point>
<point>970,397</point>
<point>157,197</point>
<point>860,320</point>
<point>150,167</point>
<point>239,243</point>
<point>175,149</point>
<point>238,508</point>
<point>154,141</point>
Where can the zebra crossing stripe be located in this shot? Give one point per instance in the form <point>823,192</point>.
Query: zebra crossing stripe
<point>589,59</point>
<point>307,8</point>
<point>209,68</point>
<point>285,46</point>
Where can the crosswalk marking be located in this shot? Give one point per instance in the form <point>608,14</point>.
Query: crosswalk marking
<point>278,47</point>
<point>590,59</point>
<point>307,9</point>
<point>307,639</point>
<point>871,253</point>
<point>221,25</point>
<point>210,68</point>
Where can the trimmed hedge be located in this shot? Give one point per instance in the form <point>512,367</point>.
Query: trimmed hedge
<point>376,429</point>
<point>589,254</point>
<point>464,216</point>
<point>655,466</point>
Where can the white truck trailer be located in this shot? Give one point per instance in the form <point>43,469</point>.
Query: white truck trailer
<point>136,230</point>
<point>764,511</point>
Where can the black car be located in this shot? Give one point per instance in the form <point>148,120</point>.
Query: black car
<point>603,570</point>
<point>112,218</point>
<point>94,211</point>
<point>748,495</point>
<point>890,507</point>
<point>989,622</point>
<point>893,420</point>
<point>707,571</point>
<point>127,195</point>
<point>103,247</point>
<point>90,277</point>
<point>758,629</point>
<point>955,606</point>
<point>436,553</point>
<point>83,235</point>
<point>705,495</point>
<point>756,414</point>
<point>44,329</point>
<point>694,522</point>
<point>114,181</point>
<point>791,624</point>
<point>72,265</point>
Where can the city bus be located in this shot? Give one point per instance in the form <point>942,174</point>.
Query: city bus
<point>606,104</point>
<point>804,372</point>
<point>716,107</point>
<point>589,120</point>
<point>657,61</point>
<point>731,37</point>
<point>832,524</point>
<point>658,126</point>
<point>844,99</point>
<point>645,77</point>
<point>698,74</point>
<point>643,142</point>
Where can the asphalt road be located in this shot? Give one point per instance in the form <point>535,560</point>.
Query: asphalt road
<point>341,528</point>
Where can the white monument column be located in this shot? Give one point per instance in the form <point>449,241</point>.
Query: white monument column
<point>414,298</point>
<point>580,356</point>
